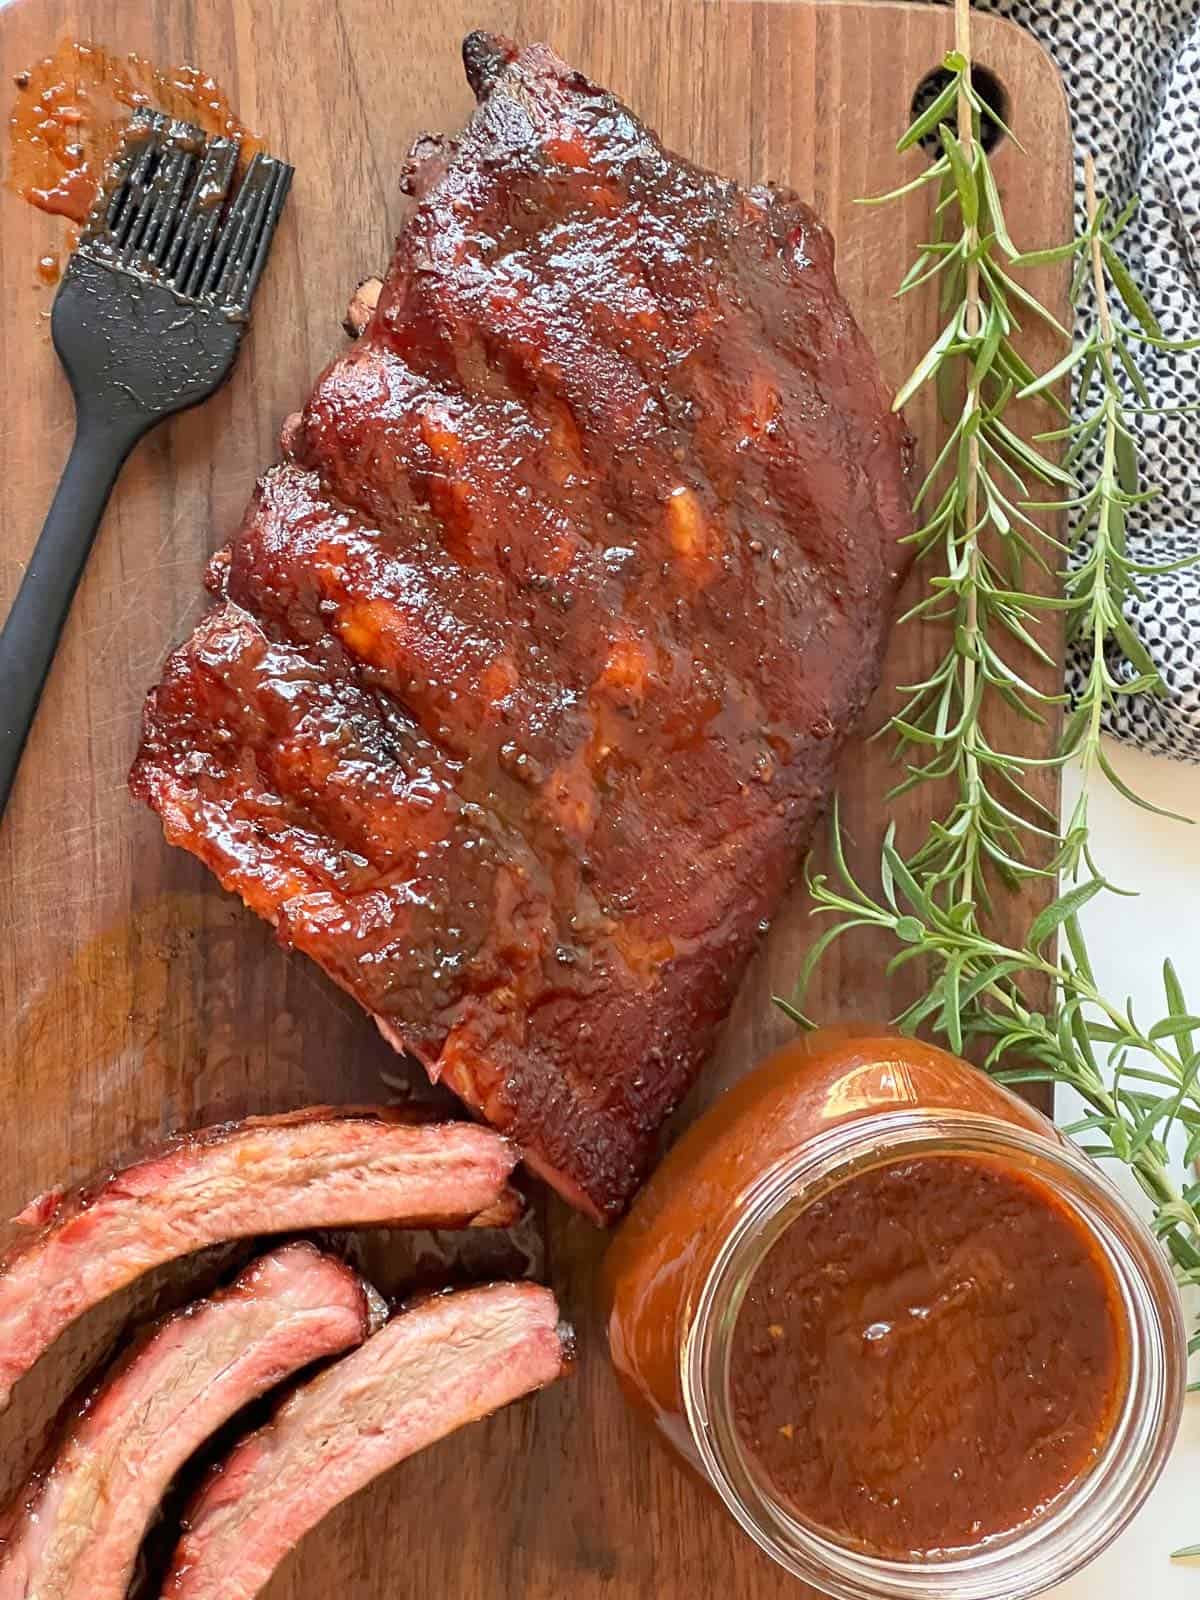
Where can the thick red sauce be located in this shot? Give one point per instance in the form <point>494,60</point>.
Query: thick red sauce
<point>70,110</point>
<point>928,1356</point>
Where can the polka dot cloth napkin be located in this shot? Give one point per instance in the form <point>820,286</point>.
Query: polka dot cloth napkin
<point>1132,69</point>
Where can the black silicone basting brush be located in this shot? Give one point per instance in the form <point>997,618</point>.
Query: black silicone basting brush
<point>147,322</point>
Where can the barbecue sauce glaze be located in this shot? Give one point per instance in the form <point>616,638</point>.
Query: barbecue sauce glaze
<point>71,108</point>
<point>540,645</point>
<point>933,1349</point>
<point>928,1356</point>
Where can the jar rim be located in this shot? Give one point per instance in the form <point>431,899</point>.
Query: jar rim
<point>1090,1512</point>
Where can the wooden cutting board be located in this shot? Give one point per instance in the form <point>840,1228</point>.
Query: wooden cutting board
<point>134,996</point>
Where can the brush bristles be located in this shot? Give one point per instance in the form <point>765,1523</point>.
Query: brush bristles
<point>164,214</point>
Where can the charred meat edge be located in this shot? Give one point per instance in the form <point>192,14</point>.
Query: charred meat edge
<point>317,1169</point>
<point>74,1531</point>
<point>450,1360</point>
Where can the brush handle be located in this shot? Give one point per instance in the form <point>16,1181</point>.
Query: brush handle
<point>31,633</point>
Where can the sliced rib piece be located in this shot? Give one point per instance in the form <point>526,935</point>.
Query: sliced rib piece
<point>315,1169</point>
<point>448,1361</point>
<point>534,658</point>
<point>75,1531</point>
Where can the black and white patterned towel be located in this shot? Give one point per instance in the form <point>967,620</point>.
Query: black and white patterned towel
<point>1132,69</point>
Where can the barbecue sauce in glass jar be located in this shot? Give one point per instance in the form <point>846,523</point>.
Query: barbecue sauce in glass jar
<point>905,1330</point>
<point>930,1353</point>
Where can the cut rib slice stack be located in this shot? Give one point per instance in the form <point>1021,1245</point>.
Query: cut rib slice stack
<point>75,1530</point>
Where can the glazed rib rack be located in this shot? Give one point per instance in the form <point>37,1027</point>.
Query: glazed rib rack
<point>531,661</point>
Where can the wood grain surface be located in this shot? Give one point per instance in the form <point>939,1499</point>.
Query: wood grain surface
<point>134,996</point>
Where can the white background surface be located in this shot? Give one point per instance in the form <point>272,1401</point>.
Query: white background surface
<point>1128,940</point>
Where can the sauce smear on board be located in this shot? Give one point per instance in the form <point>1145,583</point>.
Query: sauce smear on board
<point>72,107</point>
<point>928,1356</point>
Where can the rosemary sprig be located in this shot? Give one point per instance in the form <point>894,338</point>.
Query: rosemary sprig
<point>978,527</point>
<point>1098,585</point>
<point>1149,1083</point>
<point>979,513</point>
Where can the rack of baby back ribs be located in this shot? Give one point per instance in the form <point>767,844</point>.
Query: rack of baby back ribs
<point>388,1384</point>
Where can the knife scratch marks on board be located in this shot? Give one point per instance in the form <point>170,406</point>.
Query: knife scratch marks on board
<point>114,995</point>
<point>155,631</point>
<point>42,898</point>
<point>129,714</point>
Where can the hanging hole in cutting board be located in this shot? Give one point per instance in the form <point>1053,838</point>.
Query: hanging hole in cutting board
<point>989,89</point>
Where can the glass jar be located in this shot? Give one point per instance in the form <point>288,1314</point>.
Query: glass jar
<point>826,1110</point>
